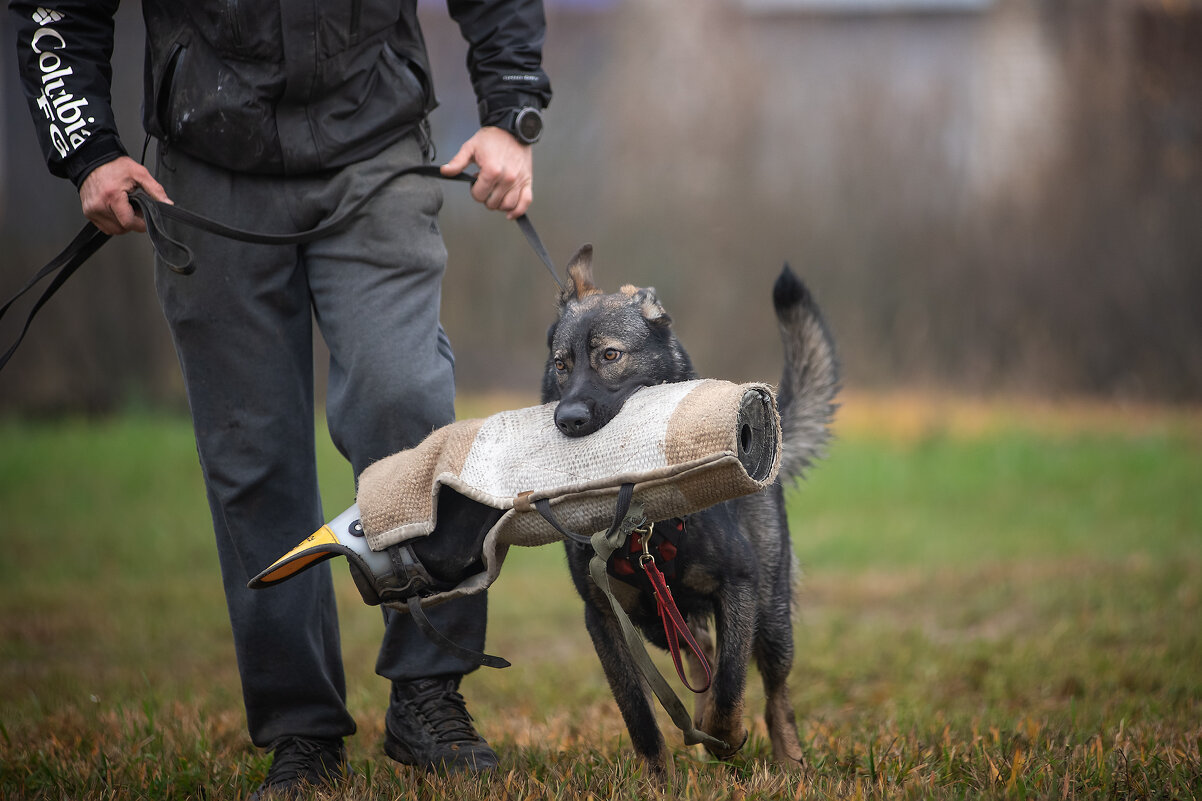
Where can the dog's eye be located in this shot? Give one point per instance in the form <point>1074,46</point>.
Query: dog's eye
<point>611,354</point>
<point>560,365</point>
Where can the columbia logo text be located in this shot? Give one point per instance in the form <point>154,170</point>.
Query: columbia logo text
<point>65,112</point>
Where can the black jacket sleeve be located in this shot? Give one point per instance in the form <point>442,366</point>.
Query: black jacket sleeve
<point>505,53</point>
<point>64,51</point>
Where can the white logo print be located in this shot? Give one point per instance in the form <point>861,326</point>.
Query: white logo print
<point>45,16</point>
<point>63,111</point>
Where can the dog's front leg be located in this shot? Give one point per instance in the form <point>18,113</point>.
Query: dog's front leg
<point>697,673</point>
<point>628,688</point>
<point>734,623</point>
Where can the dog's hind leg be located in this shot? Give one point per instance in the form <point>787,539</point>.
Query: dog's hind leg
<point>628,688</point>
<point>774,655</point>
<point>763,520</point>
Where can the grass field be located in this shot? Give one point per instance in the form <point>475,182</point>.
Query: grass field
<point>1001,600</point>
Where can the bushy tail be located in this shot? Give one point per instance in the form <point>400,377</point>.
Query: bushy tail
<point>811,376</point>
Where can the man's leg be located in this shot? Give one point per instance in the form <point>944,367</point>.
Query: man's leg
<point>242,330</point>
<point>376,292</point>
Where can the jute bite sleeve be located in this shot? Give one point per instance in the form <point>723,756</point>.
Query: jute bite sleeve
<point>685,447</point>
<point>682,447</point>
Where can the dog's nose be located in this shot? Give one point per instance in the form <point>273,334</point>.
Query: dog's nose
<point>573,419</point>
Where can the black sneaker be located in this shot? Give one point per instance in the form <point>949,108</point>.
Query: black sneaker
<point>300,762</point>
<point>428,726</point>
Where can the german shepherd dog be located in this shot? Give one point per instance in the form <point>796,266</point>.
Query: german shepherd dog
<point>735,564</point>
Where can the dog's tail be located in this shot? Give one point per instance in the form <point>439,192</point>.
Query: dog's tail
<point>811,376</point>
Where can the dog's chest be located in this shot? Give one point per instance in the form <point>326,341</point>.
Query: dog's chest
<point>665,550</point>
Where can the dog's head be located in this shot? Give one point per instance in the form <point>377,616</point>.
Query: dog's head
<point>603,347</point>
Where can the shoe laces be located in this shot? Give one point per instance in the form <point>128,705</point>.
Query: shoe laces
<point>300,758</point>
<point>439,704</point>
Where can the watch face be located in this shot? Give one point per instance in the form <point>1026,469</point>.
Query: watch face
<point>529,125</point>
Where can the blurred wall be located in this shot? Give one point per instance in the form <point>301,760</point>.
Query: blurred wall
<point>1002,199</point>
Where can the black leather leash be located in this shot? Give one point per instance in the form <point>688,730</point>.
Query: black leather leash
<point>178,256</point>
<point>63,266</point>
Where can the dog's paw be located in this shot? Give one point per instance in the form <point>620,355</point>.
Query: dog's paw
<point>734,739</point>
<point>795,765</point>
<point>660,768</point>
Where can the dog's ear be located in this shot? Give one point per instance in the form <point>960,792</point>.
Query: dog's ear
<point>648,304</point>
<point>580,270</point>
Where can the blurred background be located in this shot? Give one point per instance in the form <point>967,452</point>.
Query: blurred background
<point>998,204</point>
<point>986,196</point>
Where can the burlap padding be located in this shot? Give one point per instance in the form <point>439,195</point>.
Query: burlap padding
<point>678,443</point>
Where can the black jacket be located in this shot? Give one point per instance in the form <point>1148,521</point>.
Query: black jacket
<point>267,86</point>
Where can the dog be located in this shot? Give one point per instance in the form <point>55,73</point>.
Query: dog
<point>735,563</point>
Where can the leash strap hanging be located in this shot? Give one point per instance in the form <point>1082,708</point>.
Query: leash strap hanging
<point>178,257</point>
<point>417,581</point>
<point>536,244</point>
<point>447,644</point>
<point>85,243</point>
<point>674,625</point>
<point>604,544</point>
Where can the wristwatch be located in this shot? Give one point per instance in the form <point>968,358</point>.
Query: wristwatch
<point>526,124</point>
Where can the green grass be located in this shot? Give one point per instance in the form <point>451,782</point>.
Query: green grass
<point>1012,613</point>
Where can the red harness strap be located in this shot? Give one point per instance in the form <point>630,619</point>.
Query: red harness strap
<point>674,625</point>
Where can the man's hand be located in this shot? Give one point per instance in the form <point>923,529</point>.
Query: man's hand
<point>105,200</point>
<point>505,180</point>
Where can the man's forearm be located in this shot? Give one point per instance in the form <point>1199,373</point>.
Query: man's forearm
<point>505,43</point>
<point>64,49</point>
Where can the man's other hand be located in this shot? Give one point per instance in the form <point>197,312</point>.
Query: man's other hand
<point>505,179</point>
<point>104,195</point>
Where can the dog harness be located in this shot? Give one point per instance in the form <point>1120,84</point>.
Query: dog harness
<point>647,562</point>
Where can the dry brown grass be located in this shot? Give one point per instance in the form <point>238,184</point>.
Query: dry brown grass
<point>1001,602</point>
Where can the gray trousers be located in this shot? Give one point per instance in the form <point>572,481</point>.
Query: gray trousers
<point>242,326</point>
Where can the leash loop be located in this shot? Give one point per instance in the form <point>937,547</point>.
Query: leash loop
<point>675,628</point>
<point>175,254</point>
<point>674,624</point>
